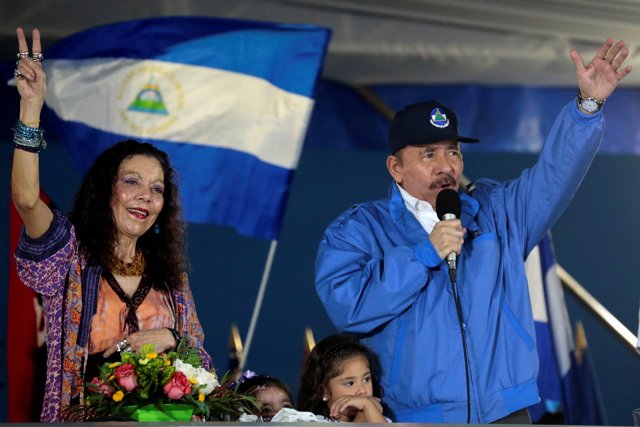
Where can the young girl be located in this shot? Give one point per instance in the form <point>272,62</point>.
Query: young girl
<point>338,382</point>
<point>271,393</point>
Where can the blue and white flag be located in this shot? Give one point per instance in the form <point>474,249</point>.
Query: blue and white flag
<point>566,382</point>
<point>228,100</point>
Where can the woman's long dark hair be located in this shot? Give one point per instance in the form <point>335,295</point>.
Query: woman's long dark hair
<point>94,223</point>
<point>326,362</point>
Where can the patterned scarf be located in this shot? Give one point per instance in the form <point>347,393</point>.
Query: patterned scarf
<point>133,302</point>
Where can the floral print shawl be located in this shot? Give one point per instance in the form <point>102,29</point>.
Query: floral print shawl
<point>52,266</point>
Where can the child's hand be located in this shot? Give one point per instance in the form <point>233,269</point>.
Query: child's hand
<point>357,408</point>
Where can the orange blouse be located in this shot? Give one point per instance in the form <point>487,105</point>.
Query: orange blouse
<point>108,325</point>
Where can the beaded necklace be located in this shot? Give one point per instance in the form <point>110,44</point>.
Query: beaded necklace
<point>133,268</point>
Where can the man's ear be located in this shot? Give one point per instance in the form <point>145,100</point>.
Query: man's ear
<point>394,166</point>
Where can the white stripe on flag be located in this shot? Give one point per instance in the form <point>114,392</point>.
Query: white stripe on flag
<point>543,279</point>
<point>254,117</point>
<point>559,321</point>
<point>536,287</point>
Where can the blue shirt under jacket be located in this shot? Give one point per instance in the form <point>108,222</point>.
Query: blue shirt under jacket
<point>379,276</point>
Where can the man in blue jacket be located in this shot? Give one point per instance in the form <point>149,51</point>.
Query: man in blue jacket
<point>380,271</point>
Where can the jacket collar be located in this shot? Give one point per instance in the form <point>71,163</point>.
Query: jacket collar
<point>403,218</point>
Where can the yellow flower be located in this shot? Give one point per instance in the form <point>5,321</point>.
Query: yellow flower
<point>167,362</point>
<point>201,397</point>
<point>111,377</point>
<point>118,396</point>
<point>114,364</point>
<point>152,355</point>
<point>193,381</point>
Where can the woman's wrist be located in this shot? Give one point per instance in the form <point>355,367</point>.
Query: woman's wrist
<point>30,113</point>
<point>31,120</point>
<point>176,336</point>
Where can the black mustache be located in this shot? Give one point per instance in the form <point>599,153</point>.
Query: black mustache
<point>443,181</point>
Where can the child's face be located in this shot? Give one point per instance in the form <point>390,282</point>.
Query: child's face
<point>354,380</point>
<point>272,400</point>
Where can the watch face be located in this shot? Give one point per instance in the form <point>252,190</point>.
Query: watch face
<point>589,105</point>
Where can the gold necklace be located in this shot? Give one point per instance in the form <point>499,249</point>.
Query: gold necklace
<point>133,268</point>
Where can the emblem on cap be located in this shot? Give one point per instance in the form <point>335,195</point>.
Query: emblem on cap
<point>438,118</point>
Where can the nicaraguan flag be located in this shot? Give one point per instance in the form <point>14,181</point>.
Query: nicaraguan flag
<point>228,100</point>
<point>567,385</point>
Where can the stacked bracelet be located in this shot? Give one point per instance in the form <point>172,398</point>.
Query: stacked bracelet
<point>28,138</point>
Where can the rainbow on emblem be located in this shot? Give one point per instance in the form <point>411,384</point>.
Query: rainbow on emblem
<point>149,100</point>
<point>439,119</point>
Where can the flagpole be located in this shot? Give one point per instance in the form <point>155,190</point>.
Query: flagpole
<point>258,305</point>
<point>597,308</point>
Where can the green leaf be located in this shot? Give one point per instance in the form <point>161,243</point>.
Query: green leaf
<point>146,349</point>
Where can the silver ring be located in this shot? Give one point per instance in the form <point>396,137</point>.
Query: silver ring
<point>127,349</point>
<point>22,55</point>
<point>37,56</point>
<point>17,74</point>
<point>122,345</point>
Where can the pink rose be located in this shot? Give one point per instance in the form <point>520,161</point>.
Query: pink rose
<point>126,375</point>
<point>177,386</point>
<point>98,386</point>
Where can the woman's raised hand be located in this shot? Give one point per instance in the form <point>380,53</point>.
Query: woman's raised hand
<point>30,78</point>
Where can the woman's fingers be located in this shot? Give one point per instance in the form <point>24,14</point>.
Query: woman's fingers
<point>28,63</point>
<point>22,40</point>
<point>35,44</point>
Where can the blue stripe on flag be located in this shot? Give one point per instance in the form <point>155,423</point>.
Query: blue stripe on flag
<point>252,202</point>
<point>549,385</point>
<point>273,49</point>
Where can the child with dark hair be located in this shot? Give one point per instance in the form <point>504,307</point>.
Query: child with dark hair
<point>340,381</point>
<point>271,393</point>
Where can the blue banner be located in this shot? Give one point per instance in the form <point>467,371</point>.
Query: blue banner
<point>506,119</point>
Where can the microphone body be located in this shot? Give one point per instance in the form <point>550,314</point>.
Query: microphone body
<point>452,257</point>
<point>448,207</point>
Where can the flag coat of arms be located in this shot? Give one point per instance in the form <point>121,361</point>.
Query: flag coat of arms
<point>228,100</point>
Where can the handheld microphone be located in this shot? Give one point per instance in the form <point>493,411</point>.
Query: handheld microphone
<point>448,207</point>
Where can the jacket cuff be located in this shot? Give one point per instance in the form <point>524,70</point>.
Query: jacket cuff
<point>55,238</point>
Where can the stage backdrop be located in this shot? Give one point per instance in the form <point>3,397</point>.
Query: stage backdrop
<point>591,242</point>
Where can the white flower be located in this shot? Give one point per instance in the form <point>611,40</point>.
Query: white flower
<point>200,375</point>
<point>187,369</point>
<point>206,378</point>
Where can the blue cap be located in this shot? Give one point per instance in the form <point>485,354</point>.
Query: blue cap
<point>424,123</point>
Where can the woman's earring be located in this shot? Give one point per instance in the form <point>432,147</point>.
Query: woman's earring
<point>156,229</point>
<point>325,398</point>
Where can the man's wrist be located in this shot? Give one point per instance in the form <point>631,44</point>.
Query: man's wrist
<point>588,104</point>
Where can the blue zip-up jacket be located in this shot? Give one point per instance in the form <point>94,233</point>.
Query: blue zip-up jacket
<point>379,276</point>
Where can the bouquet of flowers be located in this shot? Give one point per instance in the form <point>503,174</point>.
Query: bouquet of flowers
<point>145,382</point>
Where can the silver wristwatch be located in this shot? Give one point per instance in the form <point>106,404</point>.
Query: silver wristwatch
<point>589,104</point>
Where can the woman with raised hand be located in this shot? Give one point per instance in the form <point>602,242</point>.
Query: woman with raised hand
<point>112,274</point>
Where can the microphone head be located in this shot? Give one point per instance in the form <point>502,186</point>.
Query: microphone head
<point>448,202</point>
